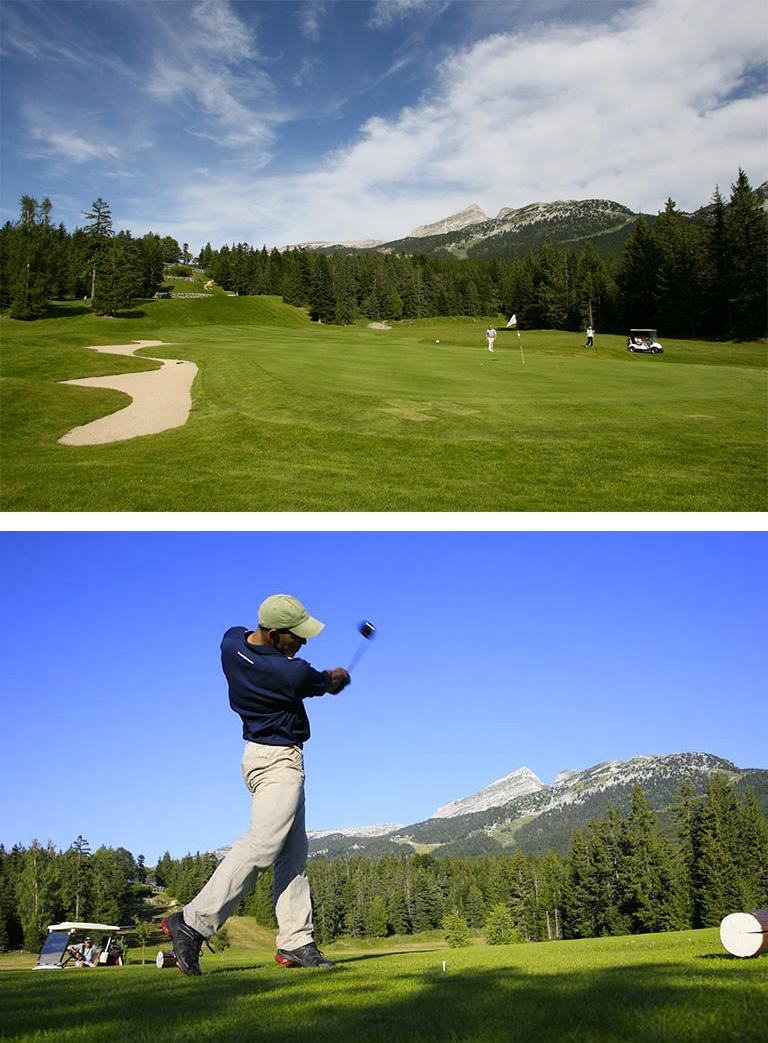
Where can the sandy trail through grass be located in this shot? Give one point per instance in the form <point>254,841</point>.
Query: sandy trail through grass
<point>161,398</point>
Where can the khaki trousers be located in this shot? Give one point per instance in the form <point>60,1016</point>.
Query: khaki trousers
<point>276,836</point>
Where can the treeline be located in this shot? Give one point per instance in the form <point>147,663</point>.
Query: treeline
<point>40,886</point>
<point>622,875</point>
<point>41,262</point>
<point>686,277</point>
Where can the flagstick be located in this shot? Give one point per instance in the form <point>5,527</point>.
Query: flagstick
<point>522,356</point>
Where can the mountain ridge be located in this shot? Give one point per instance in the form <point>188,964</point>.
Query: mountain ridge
<point>471,234</point>
<point>543,818</point>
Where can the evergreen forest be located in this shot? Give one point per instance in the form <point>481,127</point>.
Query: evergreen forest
<point>623,874</point>
<point>700,275</point>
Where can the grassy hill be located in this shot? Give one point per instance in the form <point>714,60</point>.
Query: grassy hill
<point>670,988</point>
<point>289,415</point>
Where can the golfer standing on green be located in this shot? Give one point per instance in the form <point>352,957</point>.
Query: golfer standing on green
<point>267,687</point>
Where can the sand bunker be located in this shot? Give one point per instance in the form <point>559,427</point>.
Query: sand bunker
<point>162,398</point>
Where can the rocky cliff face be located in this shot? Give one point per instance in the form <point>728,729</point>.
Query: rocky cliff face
<point>471,215</point>
<point>519,783</point>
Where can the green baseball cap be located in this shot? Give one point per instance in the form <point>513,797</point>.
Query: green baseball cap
<point>283,612</point>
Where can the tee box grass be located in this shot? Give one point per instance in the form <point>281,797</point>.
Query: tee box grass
<point>290,415</point>
<point>664,988</point>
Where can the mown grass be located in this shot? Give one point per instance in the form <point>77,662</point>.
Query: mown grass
<point>292,416</point>
<point>676,988</point>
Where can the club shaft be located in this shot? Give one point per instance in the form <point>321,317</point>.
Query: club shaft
<point>356,657</point>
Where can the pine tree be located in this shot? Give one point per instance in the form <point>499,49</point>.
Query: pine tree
<point>655,900</point>
<point>426,901</point>
<point>99,232</point>
<point>746,224</point>
<point>752,853</point>
<point>718,887</point>
<point>11,934</point>
<point>376,920</point>
<point>717,268</point>
<point>164,870</point>
<point>638,277</point>
<point>111,886</point>
<point>685,813</point>
<point>679,275</point>
<point>321,303</point>
<point>29,248</point>
<point>117,282</point>
<point>75,879</point>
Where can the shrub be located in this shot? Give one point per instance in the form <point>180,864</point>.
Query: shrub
<point>499,927</point>
<point>455,929</point>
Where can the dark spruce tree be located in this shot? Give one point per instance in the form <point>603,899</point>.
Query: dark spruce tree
<point>119,281</point>
<point>746,225</point>
<point>99,231</point>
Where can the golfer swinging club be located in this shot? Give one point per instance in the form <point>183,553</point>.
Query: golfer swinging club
<point>267,686</point>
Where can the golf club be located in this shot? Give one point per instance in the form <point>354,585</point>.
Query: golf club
<point>367,630</point>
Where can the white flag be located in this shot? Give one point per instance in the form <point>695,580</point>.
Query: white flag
<point>512,321</point>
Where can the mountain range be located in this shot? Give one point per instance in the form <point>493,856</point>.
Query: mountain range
<point>471,233</point>
<point>520,811</point>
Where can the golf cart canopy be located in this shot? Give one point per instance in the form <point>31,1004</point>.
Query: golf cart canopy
<point>72,925</point>
<point>646,334</point>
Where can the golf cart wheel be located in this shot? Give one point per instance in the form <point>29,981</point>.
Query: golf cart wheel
<point>656,351</point>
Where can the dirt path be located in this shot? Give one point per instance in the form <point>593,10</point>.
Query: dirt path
<point>161,398</point>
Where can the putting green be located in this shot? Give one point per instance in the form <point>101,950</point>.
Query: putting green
<point>291,416</point>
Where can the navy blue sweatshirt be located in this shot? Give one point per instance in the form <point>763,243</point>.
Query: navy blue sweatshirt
<point>267,689</point>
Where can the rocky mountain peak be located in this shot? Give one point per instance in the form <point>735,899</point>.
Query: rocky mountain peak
<point>517,784</point>
<point>471,215</point>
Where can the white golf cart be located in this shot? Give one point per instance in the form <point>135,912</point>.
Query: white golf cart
<point>60,946</point>
<point>644,341</point>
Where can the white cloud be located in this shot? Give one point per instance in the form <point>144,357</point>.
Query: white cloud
<point>73,147</point>
<point>641,108</point>
<point>200,65</point>
<point>306,70</point>
<point>387,12</point>
<point>311,16</point>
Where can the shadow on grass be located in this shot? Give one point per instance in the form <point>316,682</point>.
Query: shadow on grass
<point>652,1003</point>
<point>380,955</point>
<point>134,313</point>
<point>65,310</point>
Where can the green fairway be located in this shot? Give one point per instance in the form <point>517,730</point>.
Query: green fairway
<point>680,988</point>
<point>289,415</point>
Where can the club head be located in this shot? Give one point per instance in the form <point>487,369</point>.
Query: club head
<point>367,629</point>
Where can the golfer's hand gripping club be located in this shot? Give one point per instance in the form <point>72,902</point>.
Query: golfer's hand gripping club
<point>339,679</point>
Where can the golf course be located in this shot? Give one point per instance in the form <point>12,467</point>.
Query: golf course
<point>677,988</point>
<point>291,415</point>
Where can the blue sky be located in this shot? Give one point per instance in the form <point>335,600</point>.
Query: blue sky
<point>220,120</point>
<point>494,651</point>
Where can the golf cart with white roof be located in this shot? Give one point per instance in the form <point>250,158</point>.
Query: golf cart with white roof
<point>60,947</point>
<point>644,341</point>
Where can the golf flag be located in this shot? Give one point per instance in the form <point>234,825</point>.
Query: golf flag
<point>512,321</point>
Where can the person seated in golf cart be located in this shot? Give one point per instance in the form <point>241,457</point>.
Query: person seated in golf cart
<point>86,954</point>
<point>644,340</point>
